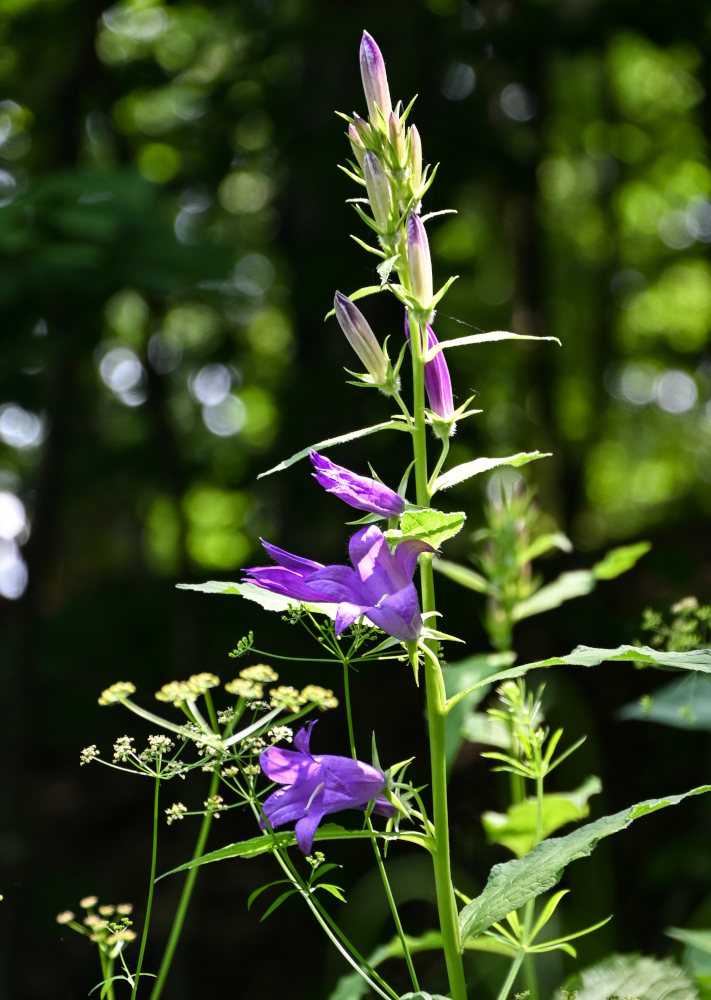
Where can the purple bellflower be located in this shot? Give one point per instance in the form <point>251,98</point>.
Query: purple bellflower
<point>315,785</point>
<point>379,586</point>
<point>358,491</point>
<point>437,380</point>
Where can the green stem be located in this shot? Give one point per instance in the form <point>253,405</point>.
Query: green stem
<point>185,895</point>
<point>513,972</point>
<point>151,884</point>
<point>378,857</point>
<point>107,971</point>
<point>436,703</point>
<point>394,911</point>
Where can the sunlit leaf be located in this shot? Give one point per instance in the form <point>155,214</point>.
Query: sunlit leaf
<point>341,439</point>
<point>618,561</point>
<point>516,829</point>
<point>576,583</point>
<point>431,526</point>
<point>460,473</point>
<point>265,598</point>
<point>637,976</point>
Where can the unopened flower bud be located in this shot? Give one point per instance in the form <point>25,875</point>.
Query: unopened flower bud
<point>397,138</point>
<point>361,338</point>
<point>419,262</point>
<point>415,159</point>
<point>378,188</point>
<point>363,128</point>
<point>375,81</point>
<point>356,144</point>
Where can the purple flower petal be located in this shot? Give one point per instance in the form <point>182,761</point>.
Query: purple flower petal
<point>319,785</point>
<point>358,491</point>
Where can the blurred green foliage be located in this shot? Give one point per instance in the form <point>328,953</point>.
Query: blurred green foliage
<point>172,229</point>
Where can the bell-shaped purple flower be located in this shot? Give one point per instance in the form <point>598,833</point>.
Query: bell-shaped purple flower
<point>378,586</point>
<point>315,785</point>
<point>358,491</point>
<point>438,383</point>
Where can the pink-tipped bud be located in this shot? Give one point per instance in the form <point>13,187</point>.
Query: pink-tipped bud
<point>375,81</point>
<point>361,338</point>
<point>378,188</point>
<point>356,144</point>
<point>415,159</point>
<point>397,139</point>
<point>419,262</point>
<point>364,129</point>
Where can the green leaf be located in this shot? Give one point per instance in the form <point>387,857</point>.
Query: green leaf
<point>462,575</point>
<point>568,585</point>
<point>428,525</point>
<point>618,561</point>
<point>684,704</point>
<point>265,843</point>
<point>700,939</point>
<point>512,884</point>
<point>458,677</point>
<point>638,976</point>
<point>544,543</point>
<point>277,903</point>
<point>265,598</point>
<point>588,656</point>
<point>487,338</point>
<point>516,829</point>
<point>460,473</point>
<point>341,439</point>
<point>334,890</point>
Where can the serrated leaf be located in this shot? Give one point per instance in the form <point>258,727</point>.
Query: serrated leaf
<point>618,561</point>
<point>637,976</point>
<point>265,598</point>
<point>462,575</point>
<point>512,884</point>
<point>431,526</point>
<point>460,473</point>
<point>588,656</point>
<point>341,439</point>
<point>575,583</point>
<point>684,704</point>
<point>516,829</point>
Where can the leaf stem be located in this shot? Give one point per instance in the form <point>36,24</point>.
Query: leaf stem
<point>185,895</point>
<point>151,885</point>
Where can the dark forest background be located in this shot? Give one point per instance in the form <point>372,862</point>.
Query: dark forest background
<point>172,229</point>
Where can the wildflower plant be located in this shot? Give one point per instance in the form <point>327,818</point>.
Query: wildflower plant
<point>382,609</point>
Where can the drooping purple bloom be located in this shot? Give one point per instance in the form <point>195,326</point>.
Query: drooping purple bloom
<point>358,491</point>
<point>317,784</point>
<point>438,383</point>
<point>379,586</point>
<point>374,77</point>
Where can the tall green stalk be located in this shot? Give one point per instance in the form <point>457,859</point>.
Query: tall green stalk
<point>436,705</point>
